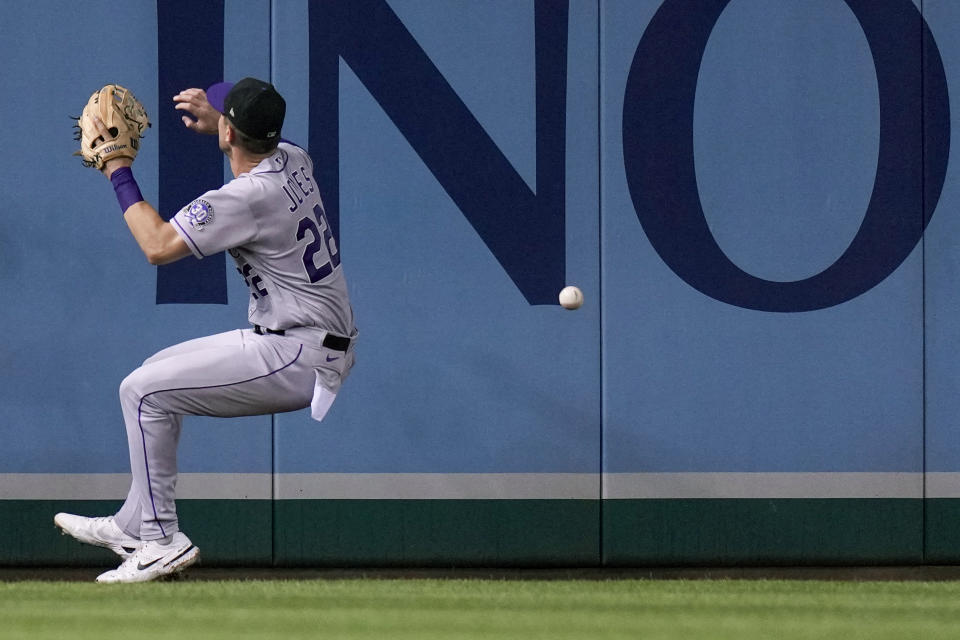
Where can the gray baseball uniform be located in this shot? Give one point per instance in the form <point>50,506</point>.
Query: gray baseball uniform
<point>272,222</point>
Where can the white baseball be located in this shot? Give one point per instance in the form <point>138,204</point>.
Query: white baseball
<point>571,297</point>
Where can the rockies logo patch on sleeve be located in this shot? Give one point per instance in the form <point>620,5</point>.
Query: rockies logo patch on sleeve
<point>199,214</point>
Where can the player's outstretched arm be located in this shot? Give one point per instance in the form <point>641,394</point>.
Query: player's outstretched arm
<point>158,240</point>
<point>194,102</point>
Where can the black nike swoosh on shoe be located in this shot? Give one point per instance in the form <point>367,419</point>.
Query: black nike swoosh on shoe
<point>185,552</point>
<point>141,566</point>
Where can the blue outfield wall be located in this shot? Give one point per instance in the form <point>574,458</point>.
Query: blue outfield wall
<point>756,197</point>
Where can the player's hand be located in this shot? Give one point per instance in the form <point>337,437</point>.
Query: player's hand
<point>194,102</point>
<point>114,163</point>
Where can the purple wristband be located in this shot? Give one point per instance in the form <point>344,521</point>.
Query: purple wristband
<point>125,186</point>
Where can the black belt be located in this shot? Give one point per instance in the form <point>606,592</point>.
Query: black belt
<point>330,341</point>
<point>257,329</point>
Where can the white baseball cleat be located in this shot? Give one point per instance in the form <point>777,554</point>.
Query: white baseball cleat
<point>102,532</point>
<point>154,560</point>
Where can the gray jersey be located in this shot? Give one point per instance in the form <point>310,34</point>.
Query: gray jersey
<point>272,222</point>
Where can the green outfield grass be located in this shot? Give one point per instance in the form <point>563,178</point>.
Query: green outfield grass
<point>435,608</point>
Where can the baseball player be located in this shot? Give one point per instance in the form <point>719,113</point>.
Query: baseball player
<point>271,219</point>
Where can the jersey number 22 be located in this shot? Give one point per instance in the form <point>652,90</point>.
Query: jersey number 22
<point>322,243</point>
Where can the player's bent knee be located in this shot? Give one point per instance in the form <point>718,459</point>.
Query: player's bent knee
<point>132,387</point>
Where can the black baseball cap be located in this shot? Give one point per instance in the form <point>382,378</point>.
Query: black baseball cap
<point>253,106</point>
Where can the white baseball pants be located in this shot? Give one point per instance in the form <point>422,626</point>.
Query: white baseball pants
<point>237,373</point>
